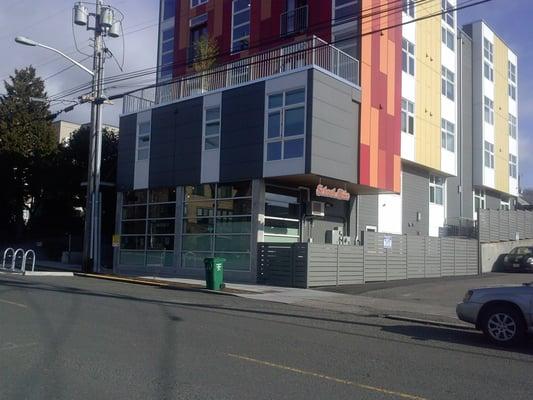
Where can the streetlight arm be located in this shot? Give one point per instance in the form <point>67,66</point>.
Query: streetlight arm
<point>28,42</point>
<point>67,57</point>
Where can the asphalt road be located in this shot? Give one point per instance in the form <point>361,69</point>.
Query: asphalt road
<point>80,338</point>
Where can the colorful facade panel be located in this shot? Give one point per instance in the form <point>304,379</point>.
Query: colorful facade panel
<point>381,95</point>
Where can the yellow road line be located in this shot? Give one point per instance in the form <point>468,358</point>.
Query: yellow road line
<point>328,378</point>
<point>13,303</point>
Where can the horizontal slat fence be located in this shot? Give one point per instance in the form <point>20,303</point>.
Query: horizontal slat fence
<point>504,225</point>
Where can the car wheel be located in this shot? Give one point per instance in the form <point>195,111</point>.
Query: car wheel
<point>503,325</point>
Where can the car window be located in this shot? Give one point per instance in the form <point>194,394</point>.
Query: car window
<point>521,250</point>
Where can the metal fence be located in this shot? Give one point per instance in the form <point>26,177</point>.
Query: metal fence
<point>383,257</point>
<point>503,225</point>
<point>313,52</point>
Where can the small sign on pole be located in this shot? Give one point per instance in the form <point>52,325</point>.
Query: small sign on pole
<point>387,242</point>
<point>116,241</point>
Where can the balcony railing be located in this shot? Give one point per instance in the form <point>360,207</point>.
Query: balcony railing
<point>314,52</point>
<point>294,21</point>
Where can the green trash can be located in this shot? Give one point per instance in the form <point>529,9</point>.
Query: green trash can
<point>214,273</point>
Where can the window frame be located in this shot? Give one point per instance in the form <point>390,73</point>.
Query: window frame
<point>408,57</point>
<point>436,188</point>
<point>448,16</point>
<point>282,110</point>
<point>447,83</point>
<point>488,154</point>
<point>167,73</point>
<point>407,116</point>
<point>513,128</point>
<point>447,131</point>
<point>488,110</point>
<point>408,8</point>
<point>513,166</point>
<point>336,7</point>
<point>140,135</point>
<point>206,122</point>
<point>446,33</point>
<point>481,197</point>
<point>196,3</point>
<point>233,26</point>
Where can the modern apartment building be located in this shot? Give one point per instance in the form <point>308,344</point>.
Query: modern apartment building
<point>320,120</point>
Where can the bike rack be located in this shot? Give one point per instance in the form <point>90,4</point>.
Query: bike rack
<point>25,259</point>
<point>16,254</point>
<point>14,262</point>
<point>6,253</point>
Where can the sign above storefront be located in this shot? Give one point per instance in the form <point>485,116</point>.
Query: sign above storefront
<point>339,194</point>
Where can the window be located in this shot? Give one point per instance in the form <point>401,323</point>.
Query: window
<point>512,72</point>
<point>346,40</point>
<point>512,126</point>
<point>169,9</point>
<point>195,3</point>
<point>167,53</point>
<point>488,50</point>
<point>505,204</point>
<point>217,222</point>
<point>282,215</point>
<point>488,55</point>
<point>489,155</point>
<point>212,128</point>
<point>409,8</point>
<point>148,227</point>
<point>345,11</point>
<point>408,57</point>
<point>408,117</point>
<point>488,71</point>
<point>448,83</point>
<point>448,38</point>
<point>513,161</point>
<point>285,126</point>
<point>488,110</point>
<point>143,141</point>
<point>198,20</point>
<point>479,199</point>
<point>198,31</point>
<point>512,91</point>
<point>436,190</point>
<point>447,135</point>
<point>240,39</point>
<point>448,16</point>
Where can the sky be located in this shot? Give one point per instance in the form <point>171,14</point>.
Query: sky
<point>49,22</point>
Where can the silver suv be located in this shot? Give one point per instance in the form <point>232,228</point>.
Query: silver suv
<point>504,314</point>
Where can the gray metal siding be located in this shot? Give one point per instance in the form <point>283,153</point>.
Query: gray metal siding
<point>368,211</point>
<point>415,191</point>
<point>459,188</point>
<point>335,129</point>
<point>162,146</point>
<point>126,152</point>
<point>493,201</point>
<point>242,133</point>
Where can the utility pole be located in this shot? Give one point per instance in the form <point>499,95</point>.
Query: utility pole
<point>105,24</point>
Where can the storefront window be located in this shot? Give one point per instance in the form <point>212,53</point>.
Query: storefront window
<point>282,215</point>
<point>219,227</point>
<point>148,226</point>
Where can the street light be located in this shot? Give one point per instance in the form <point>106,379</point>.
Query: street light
<point>105,23</point>
<point>28,42</point>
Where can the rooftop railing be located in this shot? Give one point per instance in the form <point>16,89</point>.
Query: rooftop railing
<point>313,52</point>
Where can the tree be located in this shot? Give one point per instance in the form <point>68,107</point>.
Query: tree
<point>27,141</point>
<point>206,53</point>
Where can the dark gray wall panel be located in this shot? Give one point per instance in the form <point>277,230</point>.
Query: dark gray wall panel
<point>493,200</point>
<point>415,189</point>
<point>176,144</point>
<point>242,133</point>
<point>126,152</point>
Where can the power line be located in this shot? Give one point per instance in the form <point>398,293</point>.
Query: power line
<point>357,16</point>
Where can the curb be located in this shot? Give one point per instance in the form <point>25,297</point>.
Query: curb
<point>49,273</point>
<point>155,283</point>
<point>430,322</point>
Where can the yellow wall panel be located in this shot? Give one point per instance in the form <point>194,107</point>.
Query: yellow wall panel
<point>501,117</point>
<point>428,87</point>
